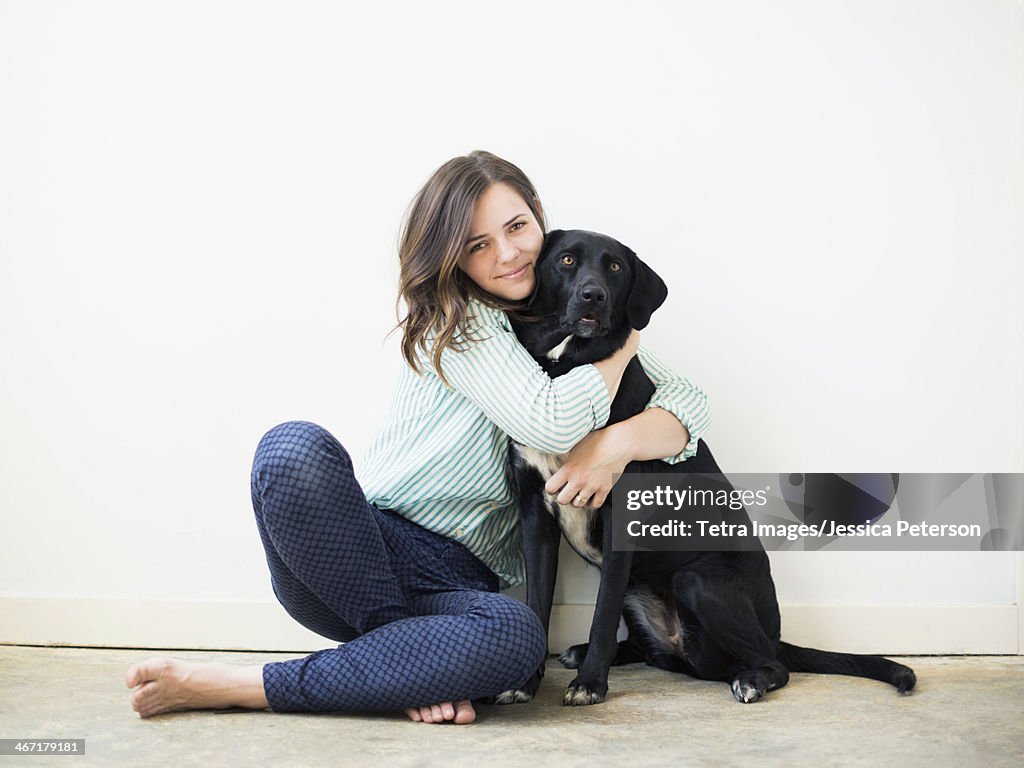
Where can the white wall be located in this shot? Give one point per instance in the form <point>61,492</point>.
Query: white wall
<point>199,205</point>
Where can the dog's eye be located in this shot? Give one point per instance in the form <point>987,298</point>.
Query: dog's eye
<point>615,266</point>
<point>567,260</point>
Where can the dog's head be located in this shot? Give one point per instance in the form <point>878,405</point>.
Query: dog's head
<point>595,284</point>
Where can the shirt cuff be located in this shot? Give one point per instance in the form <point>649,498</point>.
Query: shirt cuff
<point>696,424</point>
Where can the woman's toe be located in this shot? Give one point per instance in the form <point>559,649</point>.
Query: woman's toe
<point>464,712</point>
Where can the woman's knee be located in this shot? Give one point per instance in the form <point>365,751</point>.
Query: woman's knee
<point>300,454</point>
<point>516,628</point>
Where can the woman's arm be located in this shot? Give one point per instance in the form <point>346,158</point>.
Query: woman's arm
<point>675,418</point>
<point>498,375</point>
<point>679,396</point>
<point>652,434</point>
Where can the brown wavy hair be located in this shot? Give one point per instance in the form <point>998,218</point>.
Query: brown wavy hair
<point>436,226</point>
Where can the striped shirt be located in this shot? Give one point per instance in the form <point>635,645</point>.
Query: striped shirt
<point>442,459</point>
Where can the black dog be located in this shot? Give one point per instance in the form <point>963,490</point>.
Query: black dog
<point>712,615</point>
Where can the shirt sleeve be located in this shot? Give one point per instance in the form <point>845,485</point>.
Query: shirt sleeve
<point>680,397</point>
<point>494,371</point>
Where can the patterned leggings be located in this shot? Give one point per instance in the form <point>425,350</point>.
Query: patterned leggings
<point>420,618</point>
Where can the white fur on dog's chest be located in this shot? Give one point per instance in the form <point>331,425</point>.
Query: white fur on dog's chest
<point>573,521</point>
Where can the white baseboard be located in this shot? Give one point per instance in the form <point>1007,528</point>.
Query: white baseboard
<point>1020,603</point>
<point>265,626</point>
<point>168,624</point>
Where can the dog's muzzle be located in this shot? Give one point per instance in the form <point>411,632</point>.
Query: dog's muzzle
<point>586,326</point>
<point>588,312</point>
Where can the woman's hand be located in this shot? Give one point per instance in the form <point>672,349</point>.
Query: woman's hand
<point>585,480</point>
<point>612,368</point>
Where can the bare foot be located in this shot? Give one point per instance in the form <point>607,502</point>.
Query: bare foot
<point>170,685</point>
<point>461,712</point>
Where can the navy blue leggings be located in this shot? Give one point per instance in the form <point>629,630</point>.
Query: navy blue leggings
<point>419,616</point>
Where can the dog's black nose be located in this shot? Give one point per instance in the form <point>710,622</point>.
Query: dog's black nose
<point>591,292</point>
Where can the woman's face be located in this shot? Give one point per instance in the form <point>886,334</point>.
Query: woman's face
<point>503,244</point>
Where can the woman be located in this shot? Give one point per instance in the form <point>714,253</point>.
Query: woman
<point>404,566</point>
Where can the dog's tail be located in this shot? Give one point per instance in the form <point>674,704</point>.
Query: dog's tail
<point>797,659</point>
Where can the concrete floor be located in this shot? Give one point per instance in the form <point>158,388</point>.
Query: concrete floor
<point>965,711</point>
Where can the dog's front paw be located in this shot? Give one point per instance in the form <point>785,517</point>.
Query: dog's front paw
<point>520,695</point>
<point>748,687</point>
<point>573,656</point>
<point>514,696</point>
<point>581,694</point>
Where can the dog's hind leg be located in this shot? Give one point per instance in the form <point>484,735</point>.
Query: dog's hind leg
<point>635,648</point>
<point>727,617</point>
<point>629,652</point>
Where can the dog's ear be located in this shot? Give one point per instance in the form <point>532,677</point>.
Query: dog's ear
<point>551,241</point>
<point>646,294</point>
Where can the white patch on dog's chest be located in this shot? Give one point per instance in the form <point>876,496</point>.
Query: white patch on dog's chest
<point>556,353</point>
<point>574,522</point>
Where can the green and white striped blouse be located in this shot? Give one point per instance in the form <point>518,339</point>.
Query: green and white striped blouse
<point>441,458</point>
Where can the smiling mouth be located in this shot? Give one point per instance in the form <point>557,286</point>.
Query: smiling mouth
<point>513,275</point>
